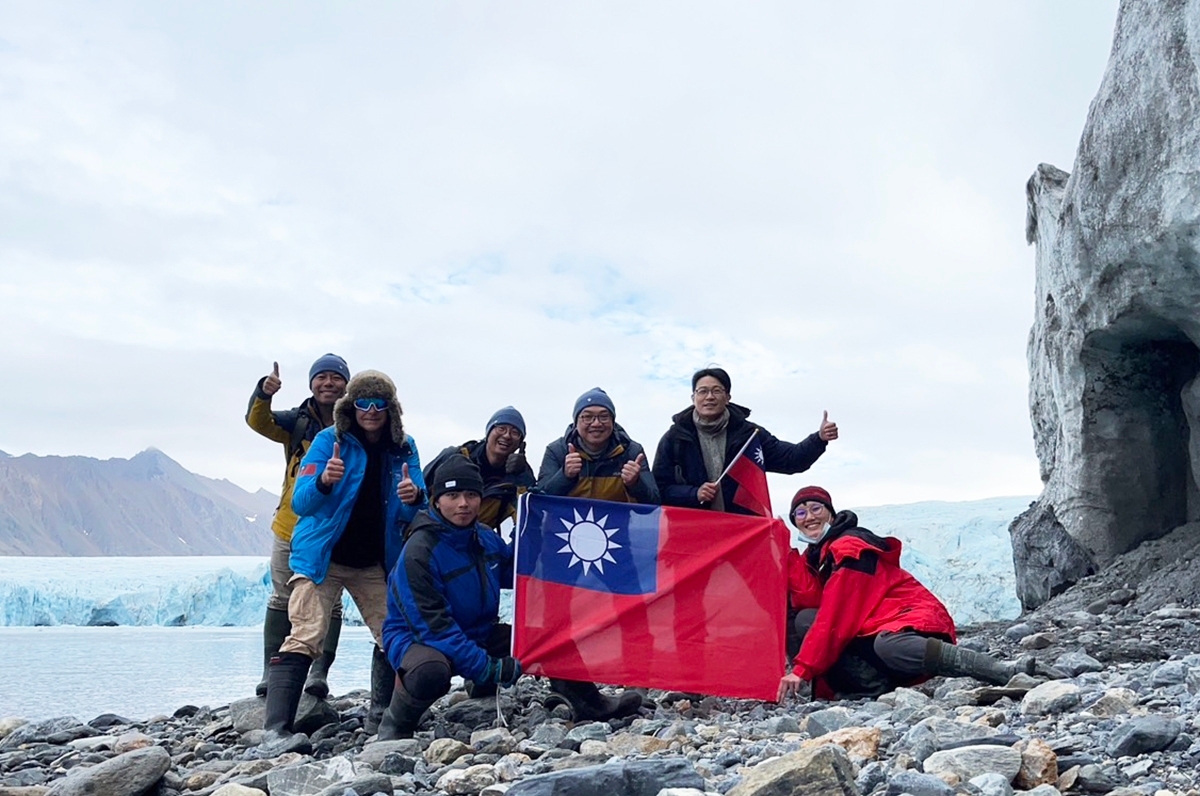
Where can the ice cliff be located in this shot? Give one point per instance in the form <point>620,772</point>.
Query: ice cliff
<point>960,550</point>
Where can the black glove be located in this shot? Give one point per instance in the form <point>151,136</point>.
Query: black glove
<point>502,671</point>
<point>515,463</point>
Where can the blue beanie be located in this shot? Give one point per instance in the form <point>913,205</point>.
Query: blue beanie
<point>331,363</point>
<point>593,397</point>
<point>506,416</point>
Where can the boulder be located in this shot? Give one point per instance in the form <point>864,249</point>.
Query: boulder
<point>1143,734</point>
<point>1113,354</point>
<point>617,778</point>
<point>966,762</point>
<point>129,774</point>
<point>821,771</point>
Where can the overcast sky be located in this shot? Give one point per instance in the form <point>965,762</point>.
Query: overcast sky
<point>514,202</point>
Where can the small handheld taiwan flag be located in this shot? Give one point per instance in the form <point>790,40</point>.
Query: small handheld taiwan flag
<point>749,471</point>
<point>655,596</point>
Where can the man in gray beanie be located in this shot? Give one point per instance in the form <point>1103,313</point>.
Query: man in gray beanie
<point>500,457</point>
<point>295,429</point>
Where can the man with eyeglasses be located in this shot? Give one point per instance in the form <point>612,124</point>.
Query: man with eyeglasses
<point>704,438</point>
<point>295,430</point>
<point>595,458</point>
<point>500,457</point>
<point>359,485</point>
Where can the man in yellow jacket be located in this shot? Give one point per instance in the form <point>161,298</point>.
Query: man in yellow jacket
<point>295,429</point>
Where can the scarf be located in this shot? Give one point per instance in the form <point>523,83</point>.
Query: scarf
<point>712,448</point>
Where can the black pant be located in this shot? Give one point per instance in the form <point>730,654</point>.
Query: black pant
<point>870,665</point>
<point>425,672</point>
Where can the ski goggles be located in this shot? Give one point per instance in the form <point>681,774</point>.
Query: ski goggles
<point>371,404</point>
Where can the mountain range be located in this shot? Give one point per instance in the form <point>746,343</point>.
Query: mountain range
<point>148,505</point>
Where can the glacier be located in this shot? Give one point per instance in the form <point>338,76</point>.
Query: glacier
<point>961,551</point>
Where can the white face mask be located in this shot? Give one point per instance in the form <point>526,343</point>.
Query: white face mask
<point>824,531</point>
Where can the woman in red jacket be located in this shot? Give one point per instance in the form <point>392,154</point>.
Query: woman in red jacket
<point>859,625</point>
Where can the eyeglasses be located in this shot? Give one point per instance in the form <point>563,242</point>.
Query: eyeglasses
<point>371,404</point>
<point>804,510</point>
<point>505,430</point>
<point>715,392</point>
<point>595,418</point>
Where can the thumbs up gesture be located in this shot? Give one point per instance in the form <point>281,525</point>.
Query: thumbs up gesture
<point>406,490</point>
<point>271,383</point>
<point>632,469</point>
<point>515,462</point>
<point>573,464</point>
<point>828,430</point>
<point>335,468</point>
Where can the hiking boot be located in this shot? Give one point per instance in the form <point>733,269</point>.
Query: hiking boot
<point>276,628</point>
<point>403,715</point>
<point>951,660</point>
<point>317,683</point>
<point>284,687</point>
<point>383,685</point>
<point>589,704</point>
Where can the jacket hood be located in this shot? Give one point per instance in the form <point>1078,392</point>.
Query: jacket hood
<point>737,413</point>
<point>369,384</point>
<point>845,523</point>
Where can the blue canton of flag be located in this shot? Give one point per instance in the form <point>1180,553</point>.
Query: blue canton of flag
<point>589,544</point>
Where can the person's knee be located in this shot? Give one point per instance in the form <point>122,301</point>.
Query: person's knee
<point>427,680</point>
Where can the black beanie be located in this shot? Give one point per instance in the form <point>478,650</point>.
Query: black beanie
<point>456,474</point>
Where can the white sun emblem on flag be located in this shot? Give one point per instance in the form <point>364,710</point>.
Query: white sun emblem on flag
<point>758,456</point>
<point>588,541</point>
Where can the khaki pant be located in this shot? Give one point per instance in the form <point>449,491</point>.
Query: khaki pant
<point>281,575</point>
<point>310,605</point>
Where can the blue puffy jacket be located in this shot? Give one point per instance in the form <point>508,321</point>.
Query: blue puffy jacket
<point>323,515</point>
<point>444,592</point>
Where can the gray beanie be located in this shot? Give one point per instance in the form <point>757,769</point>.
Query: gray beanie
<point>331,363</point>
<point>593,397</point>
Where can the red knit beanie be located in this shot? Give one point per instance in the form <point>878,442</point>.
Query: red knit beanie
<point>812,493</point>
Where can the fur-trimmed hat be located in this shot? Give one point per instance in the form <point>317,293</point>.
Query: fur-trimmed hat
<point>369,384</point>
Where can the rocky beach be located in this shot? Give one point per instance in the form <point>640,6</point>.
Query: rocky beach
<point>1125,721</point>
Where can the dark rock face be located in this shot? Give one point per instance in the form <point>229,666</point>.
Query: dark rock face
<point>1113,352</point>
<point>627,778</point>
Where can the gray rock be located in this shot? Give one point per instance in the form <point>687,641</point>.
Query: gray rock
<point>125,775</point>
<point>1143,734</point>
<point>992,784</point>
<point>363,784</point>
<point>871,776</point>
<point>1055,696</point>
<point>247,714</point>
<point>617,778</point>
<point>1077,662</point>
<point>818,771</point>
<point>313,714</point>
<point>915,783</point>
<point>374,753</point>
<point>548,736</point>
<point>1113,346</point>
<point>1019,631</point>
<point>309,779</point>
<point>592,731</point>
<point>823,722</point>
<point>1170,673</point>
<point>970,761</point>
<point>59,730</point>
<point>935,733</point>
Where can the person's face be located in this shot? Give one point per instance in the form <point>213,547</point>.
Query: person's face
<point>710,398</point>
<point>327,387</point>
<point>460,509</point>
<point>502,440</point>
<point>811,518</point>
<point>594,425</point>
<point>371,420</point>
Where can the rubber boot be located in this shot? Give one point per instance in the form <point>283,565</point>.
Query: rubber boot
<point>317,683</point>
<point>276,628</point>
<point>383,684</point>
<point>285,686</point>
<point>951,660</point>
<point>403,714</point>
<point>588,704</point>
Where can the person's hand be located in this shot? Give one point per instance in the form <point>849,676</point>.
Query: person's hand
<point>335,468</point>
<point>789,685</point>
<point>271,383</point>
<point>828,431</point>
<point>406,490</point>
<point>515,463</point>
<point>632,469</point>
<point>573,464</point>
<point>707,492</point>
<point>502,671</point>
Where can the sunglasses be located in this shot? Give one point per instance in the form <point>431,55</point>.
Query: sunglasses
<point>371,404</point>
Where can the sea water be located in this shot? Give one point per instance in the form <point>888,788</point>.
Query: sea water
<point>140,672</point>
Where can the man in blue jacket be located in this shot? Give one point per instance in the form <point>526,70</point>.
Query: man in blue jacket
<point>359,485</point>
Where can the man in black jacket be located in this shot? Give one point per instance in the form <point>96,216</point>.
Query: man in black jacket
<point>704,439</point>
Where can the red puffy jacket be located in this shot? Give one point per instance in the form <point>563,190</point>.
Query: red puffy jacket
<point>854,580</point>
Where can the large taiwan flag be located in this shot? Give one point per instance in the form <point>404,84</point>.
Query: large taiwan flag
<point>661,597</point>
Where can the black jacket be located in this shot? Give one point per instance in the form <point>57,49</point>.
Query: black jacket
<point>679,467</point>
<point>500,489</point>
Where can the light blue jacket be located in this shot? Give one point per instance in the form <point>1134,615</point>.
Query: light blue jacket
<point>323,515</point>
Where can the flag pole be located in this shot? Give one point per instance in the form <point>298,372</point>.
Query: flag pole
<point>733,461</point>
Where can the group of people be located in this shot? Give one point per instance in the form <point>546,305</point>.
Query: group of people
<point>419,549</point>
